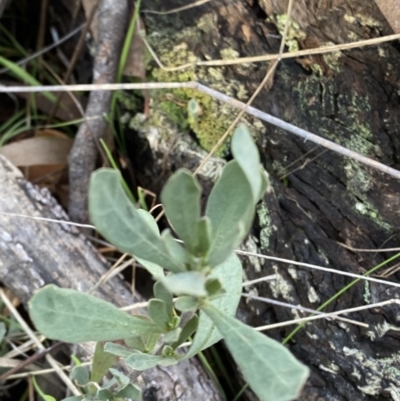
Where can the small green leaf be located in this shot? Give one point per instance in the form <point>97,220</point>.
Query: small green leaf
<point>81,375</point>
<point>167,351</point>
<point>181,199</point>
<point>187,283</point>
<point>130,392</point>
<point>153,268</point>
<point>151,341</point>
<point>172,336</point>
<point>104,394</point>
<point>123,379</point>
<point>213,287</point>
<point>73,398</point>
<point>176,250</point>
<point>230,274</point>
<point>186,303</point>
<point>246,154</point>
<point>158,312</point>
<point>118,350</point>
<point>204,234</point>
<point>272,372</point>
<point>162,293</point>
<point>136,343</point>
<point>230,207</point>
<point>102,361</point>
<point>72,316</point>
<point>187,331</point>
<point>141,362</point>
<point>118,220</point>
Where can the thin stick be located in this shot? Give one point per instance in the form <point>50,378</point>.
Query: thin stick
<point>46,49</point>
<point>308,136</point>
<point>315,267</point>
<point>287,55</point>
<point>302,308</point>
<point>178,9</point>
<point>239,252</point>
<point>33,358</point>
<point>316,317</point>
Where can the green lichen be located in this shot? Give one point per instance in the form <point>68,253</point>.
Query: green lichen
<point>349,128</point>
<point>214,117</point>
<point>367,292</point>
<point>265,222</point>
<point>379,373</point>
<point>294,33</point>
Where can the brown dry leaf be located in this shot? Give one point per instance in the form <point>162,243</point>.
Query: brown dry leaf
<point>44,155</point>
<point>135,66</point>
<point>391,10</point>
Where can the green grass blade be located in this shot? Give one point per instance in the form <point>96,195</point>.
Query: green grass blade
<point>24,76</point>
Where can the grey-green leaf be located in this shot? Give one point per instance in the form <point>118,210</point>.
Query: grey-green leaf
<point>204,234</point>
<point>72,316</point>
<point>172,336</point>
<point>230,275</point>
<point>186,303</point>
<point>187,331</point>
<point>118,220</point>
<point>246,154</point>
<point>141,362</point>
<point>153,268</point>
<point>102,361</point>
<point>118,350</point>
<point>186,283</point>
<point>81,375</point>
<point>272,372</point>
<point>130,392</point>
<point>176,250</point>
<point>181,199</point>
<point>158,312</point>
<point>122,378</point>
<point>162,293</point>
<point>229,207</point>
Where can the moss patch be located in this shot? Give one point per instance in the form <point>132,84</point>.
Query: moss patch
<point>213,117</point>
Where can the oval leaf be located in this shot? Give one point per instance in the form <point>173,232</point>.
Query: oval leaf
<point>272,372</point>
<point>72,316</point>
<point>229,207</point>
<point>181,199</point>
<point>118,220</point>
<point>187,283</point>
<point>246,154</point>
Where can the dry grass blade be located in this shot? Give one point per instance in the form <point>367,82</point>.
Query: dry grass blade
<point>330,314</point>
<point>303,309</point>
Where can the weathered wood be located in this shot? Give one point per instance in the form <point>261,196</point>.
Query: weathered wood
<point>317,199</point>
<point>34,253</point>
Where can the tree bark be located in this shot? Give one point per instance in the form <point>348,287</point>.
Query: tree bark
<point>35,253</point>
<point>318,198</point>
